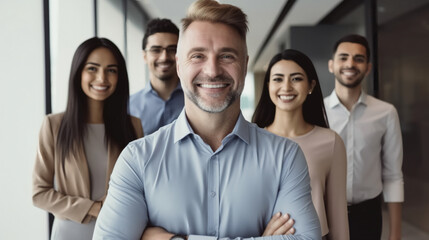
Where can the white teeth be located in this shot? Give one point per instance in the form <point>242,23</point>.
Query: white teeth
<point>99,88</point>
<point>213,85</point>
<point>348,73</point>
<point>289,97</point>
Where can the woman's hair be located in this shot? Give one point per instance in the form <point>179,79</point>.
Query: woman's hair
<point>215,12</point>
<point>313,108</point>
<point>117,122</point>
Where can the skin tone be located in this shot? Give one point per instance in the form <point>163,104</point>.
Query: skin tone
<point>212,65</point>
<point>350,66</point>
<point>98,81</point>
<point>162,63</point>
<point>288,88</point>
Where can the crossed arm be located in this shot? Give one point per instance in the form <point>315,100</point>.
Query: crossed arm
<point>278,225</point>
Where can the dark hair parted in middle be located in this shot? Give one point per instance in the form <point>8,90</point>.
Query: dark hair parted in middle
<point>158,25</point>
<point>118,126</point>
<point>313,108</point>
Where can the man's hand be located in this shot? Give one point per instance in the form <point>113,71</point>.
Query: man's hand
<point>279,225</point>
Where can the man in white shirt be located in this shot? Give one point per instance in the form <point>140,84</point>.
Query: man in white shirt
<point>371,132</point>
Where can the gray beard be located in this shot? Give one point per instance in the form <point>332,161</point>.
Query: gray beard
<point>229,100</point>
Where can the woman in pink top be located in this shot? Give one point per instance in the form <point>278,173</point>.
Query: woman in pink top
<point>291,106</point>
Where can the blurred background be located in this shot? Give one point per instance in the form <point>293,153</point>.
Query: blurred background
<point>39,37</point>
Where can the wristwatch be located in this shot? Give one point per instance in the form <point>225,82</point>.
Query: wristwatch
<point>179,237</point>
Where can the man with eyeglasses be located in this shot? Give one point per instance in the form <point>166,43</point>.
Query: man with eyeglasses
<point>162,100</point>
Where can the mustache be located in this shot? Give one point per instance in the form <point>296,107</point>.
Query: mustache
<point>166,61</point>
<point>351,68</point>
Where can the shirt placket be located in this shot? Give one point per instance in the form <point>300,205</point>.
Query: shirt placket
<point>213,196</point>
<point>350,156</point>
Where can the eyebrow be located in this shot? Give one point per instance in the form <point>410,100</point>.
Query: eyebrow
<point>292,74</point>
<point>346,55</point>
<point>222,50</point>
<point>158,46</point>
<point>278,74</point>
<point>98,65</point>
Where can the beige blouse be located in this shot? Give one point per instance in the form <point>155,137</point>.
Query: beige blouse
<point>327,165</point>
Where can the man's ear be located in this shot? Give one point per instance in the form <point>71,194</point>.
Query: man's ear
<point>144,56</point>
<point>369,69</point>
<point>331,66</point>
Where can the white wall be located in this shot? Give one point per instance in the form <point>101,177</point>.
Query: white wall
<point>137,69</point>
<point>72,22</point>
<point>22,92</point>
<point>22,109</point>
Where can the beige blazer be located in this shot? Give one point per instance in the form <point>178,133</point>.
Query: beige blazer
<point>71,200</point>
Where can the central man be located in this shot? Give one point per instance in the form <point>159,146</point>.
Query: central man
<point>210,174</point>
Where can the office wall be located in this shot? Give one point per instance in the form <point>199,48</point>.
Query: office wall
<point>22,95</point>
<point>137,69</point>
<point>71,23</point>
<point>403,68</point>
<point>22,108</point>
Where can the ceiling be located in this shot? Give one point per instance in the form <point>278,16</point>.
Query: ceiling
<point>262,16</point>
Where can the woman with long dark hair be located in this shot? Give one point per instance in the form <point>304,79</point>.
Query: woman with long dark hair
<point>79,147</point>
<point>291,106</point>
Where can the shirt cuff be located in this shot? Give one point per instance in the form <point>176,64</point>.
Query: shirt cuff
<point>393,191</point>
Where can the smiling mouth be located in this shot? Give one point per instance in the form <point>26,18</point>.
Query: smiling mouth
<point>287,98</point>
<point>100,88</point>
<point>349,73</point>
<point>212,86</point>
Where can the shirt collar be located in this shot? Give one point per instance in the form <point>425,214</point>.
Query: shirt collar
<point>335,101</point>
<point>149,89</point>
<point>182,129</point>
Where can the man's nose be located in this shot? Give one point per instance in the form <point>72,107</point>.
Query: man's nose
<point>212,67</point>
<point>164,54</point>
<point>350,62</point>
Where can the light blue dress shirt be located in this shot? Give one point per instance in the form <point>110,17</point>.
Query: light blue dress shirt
<point>172,179</point>
<point>153,111</point>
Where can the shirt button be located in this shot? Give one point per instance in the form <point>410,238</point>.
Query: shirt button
<point>212,194</point>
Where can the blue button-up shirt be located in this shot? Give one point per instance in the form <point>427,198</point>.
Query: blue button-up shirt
<point>153,111</point>
<point>173,179</point>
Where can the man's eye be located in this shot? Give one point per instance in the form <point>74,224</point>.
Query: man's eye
<point>360,60</point>
<point>155,50</point>
<point>171,50</point>
<point>227,57</point>
<point>197,57</point>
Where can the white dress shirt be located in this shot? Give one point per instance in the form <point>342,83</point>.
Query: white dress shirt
<point>372,136</point>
